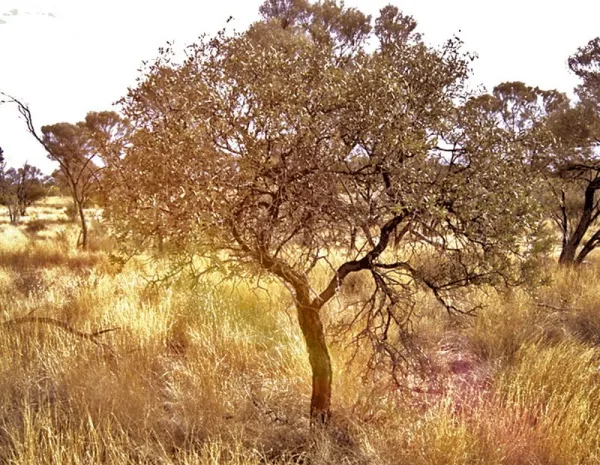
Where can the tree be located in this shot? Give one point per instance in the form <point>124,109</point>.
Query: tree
<point>523,115</point>
<point>20,188</point>
<point>8,194</point>
<point>559,140</point>
<point>265,151</point>
<point>69,143</point>
<point>577,130</point>
<point>30,187</point>
<point>577,181</point>
<point>79,149</point>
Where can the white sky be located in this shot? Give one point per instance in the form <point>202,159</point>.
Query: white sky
<point>67,57</point>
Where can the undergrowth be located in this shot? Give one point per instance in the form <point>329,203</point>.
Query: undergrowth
<point>217,373</point>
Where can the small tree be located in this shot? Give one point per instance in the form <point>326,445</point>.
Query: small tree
<point>8,194</point>
<point>20,189</point>
<point>266,151</point>
<point>30,187</point>
<point>69,144</point>
<point>79,150</point>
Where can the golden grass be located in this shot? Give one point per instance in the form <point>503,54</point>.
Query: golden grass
<point>217,373</point>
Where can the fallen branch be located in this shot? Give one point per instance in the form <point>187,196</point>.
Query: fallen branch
<point>58,324</point>
<point>558,309</point>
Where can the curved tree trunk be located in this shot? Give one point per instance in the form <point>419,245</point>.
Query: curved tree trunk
<point>570,246</point>
<point>320,363</point>
<point>589,246</point>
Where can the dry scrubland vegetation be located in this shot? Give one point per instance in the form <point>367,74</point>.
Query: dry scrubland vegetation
<point>332,196</point>
<point>217,373</point>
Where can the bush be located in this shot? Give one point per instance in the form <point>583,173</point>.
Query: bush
<point>35,226</point>
<point>71,213</point>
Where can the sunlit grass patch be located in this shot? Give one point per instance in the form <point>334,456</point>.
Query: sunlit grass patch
<point>555,390</point>
<point>215,371</point>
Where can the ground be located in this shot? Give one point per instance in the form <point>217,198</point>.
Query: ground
<point>216,373</point>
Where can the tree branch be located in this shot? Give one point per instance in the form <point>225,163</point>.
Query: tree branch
<point>357,265</point>
<point>58,324</point>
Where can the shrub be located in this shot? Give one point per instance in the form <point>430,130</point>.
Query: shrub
<point>35,226</point>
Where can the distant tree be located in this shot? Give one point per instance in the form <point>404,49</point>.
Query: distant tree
<point>266,151</point>
<point>60,183</point>
<point>30,187</point>
<point>8,195</point>
<point>20,188</point>
<point>79,150</point>
<point>577,132</point>
<point>69,143</point>
<point>559,140</point>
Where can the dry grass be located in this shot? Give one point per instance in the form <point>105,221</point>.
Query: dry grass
<point>217,373</point>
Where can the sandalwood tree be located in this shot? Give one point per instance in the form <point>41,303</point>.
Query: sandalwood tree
<point>265,151</point>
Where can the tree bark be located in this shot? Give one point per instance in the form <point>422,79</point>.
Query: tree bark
<point>84,229</point>
<point>312,330</point>
<point>320,363</point>
<point>567,255</point>
<point>590,245</point>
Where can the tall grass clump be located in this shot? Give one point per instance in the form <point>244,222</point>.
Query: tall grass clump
<point>213,372</point>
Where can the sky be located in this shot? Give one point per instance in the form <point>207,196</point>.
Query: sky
<point>67,57</point>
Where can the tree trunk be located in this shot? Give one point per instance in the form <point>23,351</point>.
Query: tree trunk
<point>13,214</point>
<point>567,255</point>
<point>590,245</point>
<point>84,229</point>
<point>320,363</point>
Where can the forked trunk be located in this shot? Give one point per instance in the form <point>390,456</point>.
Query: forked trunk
<point>320,363</point>
<point>589,246</point>
<point>570,245</point>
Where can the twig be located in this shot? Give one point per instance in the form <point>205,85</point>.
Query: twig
<point>262,407</point>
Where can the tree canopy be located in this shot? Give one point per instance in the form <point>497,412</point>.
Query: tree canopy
<point>81,151</point>
<point>20,188</point>
<point>266,151</point>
